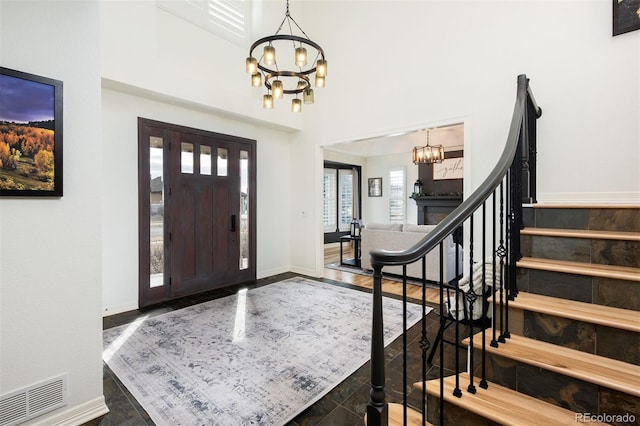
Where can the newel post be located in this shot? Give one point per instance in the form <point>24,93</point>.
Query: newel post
<point>377,411</point>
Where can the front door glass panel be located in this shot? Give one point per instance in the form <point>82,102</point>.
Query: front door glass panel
<point>156,212</point>
<point>244,210</point>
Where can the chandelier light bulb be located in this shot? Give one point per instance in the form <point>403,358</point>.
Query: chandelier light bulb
<point>267,101</point>
<point>251,65</point>
<point>319,81</point>
<point>301,56</point>
<point>278,89</point>
<point>269,55</point>
<point>296,105</point>
<point>321,68</point>
<point>256,79</point>
<point>307,95</point>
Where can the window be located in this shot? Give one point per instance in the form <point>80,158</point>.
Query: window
<point>396,196</point>
<point>330,199</point>
<point>345,193</point>
<point>227,18</point>
<point>341,199</point>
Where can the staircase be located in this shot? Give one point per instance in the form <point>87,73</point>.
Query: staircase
<point>574,351</point>
<point>564,287</point>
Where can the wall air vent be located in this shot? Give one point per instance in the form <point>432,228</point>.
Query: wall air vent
<point>35,400</point>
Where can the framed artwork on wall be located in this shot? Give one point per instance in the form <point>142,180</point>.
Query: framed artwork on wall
<point>375,187</point>
<point>450,168</point>
<point>626,16</point>
<point>30,135</point>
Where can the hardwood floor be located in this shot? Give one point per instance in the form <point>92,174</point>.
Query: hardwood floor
<point>357,278</point>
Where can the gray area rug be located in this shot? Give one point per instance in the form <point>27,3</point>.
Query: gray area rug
<point>259,357</point>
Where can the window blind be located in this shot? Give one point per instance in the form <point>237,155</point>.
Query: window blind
<point>396,196</point>
<point>229,19</point>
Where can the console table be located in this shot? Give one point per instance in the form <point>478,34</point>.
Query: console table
<point>356,250</point>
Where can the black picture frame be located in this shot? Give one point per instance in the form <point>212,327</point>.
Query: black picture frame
<point>375,187</point>
<point>31,127</point>
<point>626,16</point>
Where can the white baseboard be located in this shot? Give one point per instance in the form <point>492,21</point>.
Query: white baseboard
<point>589,198</point>
<point>75,416</point>
<point>271,272</point>
<point>304,271</point>
<point>118,309</point>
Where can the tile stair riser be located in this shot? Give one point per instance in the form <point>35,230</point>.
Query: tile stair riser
<point>596,251</point>
<point>596,218</point>
<point>617,293</point>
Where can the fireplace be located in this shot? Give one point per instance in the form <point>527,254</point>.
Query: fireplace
<point>432,209</point>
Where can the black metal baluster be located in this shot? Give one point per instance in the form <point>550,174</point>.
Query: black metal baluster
<point>442,313</point>
<point>456,391</point>
<point>404,344</point>
<point>502,253</point>
<point>483,379</point>
<point>508,241</point>
<point>424,340</point>
<point>495,258</point>
<point>471,298</point>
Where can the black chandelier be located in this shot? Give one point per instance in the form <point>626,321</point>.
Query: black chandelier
<point>299,79</point>
<point>428,154</point>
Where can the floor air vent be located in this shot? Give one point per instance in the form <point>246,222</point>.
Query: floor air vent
<point>30,402</point>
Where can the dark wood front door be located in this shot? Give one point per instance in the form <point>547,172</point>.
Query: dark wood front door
<point>208,237</point>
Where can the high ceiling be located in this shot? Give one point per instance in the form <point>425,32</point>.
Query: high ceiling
<point>451,137</point>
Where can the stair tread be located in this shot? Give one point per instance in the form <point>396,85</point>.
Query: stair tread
<point>582,233</point>
<point>591,368</point>
<point>593,269</point>
<point>625,319</point>
<point>500,404</point>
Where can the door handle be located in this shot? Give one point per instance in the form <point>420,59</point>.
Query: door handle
<point>233,223</point>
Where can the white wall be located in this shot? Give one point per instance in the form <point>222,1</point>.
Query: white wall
<point>377,208</point>
<point>415,62</point>
<point>152,50</point>
<point>50,249</point>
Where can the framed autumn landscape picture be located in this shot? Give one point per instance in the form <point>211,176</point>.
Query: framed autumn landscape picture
<point>30,135</point>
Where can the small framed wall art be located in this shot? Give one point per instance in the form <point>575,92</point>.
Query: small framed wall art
<point>30,135</point>
<point>375,187</point>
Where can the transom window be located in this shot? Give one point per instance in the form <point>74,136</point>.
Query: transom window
<point>229,19</point>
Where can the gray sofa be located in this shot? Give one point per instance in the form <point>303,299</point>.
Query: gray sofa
<point>397,237</point>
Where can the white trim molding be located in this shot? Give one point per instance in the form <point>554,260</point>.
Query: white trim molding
<point>77,415</point>
<point>632,198</point>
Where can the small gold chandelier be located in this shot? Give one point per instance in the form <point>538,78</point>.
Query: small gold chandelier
<point>299,79</point>
<point>428,154</point>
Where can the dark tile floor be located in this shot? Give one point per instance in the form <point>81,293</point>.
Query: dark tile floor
<point>344,405</point>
